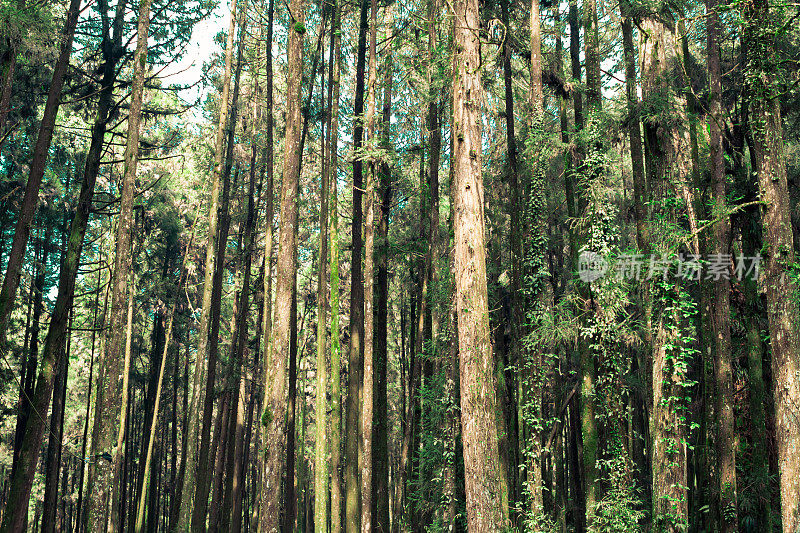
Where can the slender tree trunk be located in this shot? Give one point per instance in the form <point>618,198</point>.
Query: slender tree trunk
<point>275,408</point>
<point>79,519</point>
<point>321,406</point>
<point>140,509</point>
<point>778,251</point>
<point>54,443</point>
<point>203,481</point>
<point>241,336</point>
<point>111,405</point>
<point>237,481</point>
<point>290,496</point>
<point>591,41</point>
<point>27,384</point>
<point>588,365</point>
<point>575,61</point>
<point>481,456</point>
<point>634,129</point>
<point>757,393</point>
<point>20,488</point>
<point>221,434</point>
<point>380,468</point>
<point>119,465</point>
<point>356,356</point>
<point>266,311</point>
<point>368,387</point>
<point>185,513</point>
<point>41,150</point>
<point>8,65</point>
<point>336,388</point>
<point>537,252</point>
<point>723,372</point>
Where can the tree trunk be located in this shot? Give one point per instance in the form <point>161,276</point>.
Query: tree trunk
<point>150,438</point>
<point>368,386</point>
<point>266,311</point>
<point>242,339</point>
<point>203,481</point>
<point>634,129</point>
<point>20,488</point>
<point>380,479</point>
<point>275,408</point>
<point>659,54</point>
<point>290,496</point>
<point>79,508</point>
<point>221,435</point>
<point>192,465</point>
<point>575,60</point>
<point>591,43</point>
<point>336,366</point>
<point>778,251</point>
<point>54,443</point>
<point>356,356</point>
<point>41,150</point>
<point>321,405</point>
<point>723,372</point>
<point>481,457</point>
<point>110,406</point>
<point>28,367</point>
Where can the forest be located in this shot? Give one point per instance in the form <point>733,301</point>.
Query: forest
<point>400,266</point>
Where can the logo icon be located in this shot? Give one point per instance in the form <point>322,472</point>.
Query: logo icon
<point>591,266</point>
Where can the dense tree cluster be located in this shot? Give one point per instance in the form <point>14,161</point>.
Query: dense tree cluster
<point>442,265</point>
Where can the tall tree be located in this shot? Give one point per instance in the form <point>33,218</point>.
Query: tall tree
<point>778,248</point>
<point>199,371</point>
<point>721,317</point>
<point>16,510</point>
<point>355,361</point>
<point>321,405</point>
<point>368,386</point>
<point>665,163</point>
<point>286,273</point>
<point>380,457</point>
<point>269,208</point>
<point>110,406</point>
<point>203,479</point>
<point>335,356</point>
<point>481,456</point>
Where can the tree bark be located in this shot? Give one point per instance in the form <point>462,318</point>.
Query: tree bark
<point>659,54</point>
<point>634,129</point>
<point>368,386</point>
<point>723,372</point>
<point>140,509</point>
<point>54,444</point>
<point>356,355</point>
<point>286,271</point>
<point>321,405</point>
<point>336,366</point>
<point>266,311</point>
<point>481,456</point>
<point>778,251</point>
<point>380,479</point>
<point>80,508</point>
<point>203,481</point>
